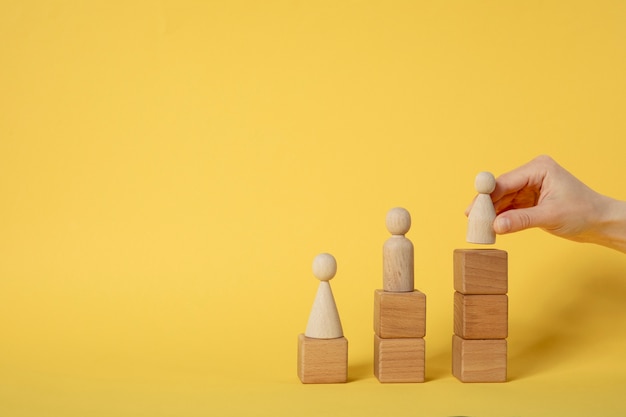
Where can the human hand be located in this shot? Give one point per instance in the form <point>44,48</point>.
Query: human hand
<point>543,194</point>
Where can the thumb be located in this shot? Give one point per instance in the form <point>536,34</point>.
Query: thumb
<point>520,219</point>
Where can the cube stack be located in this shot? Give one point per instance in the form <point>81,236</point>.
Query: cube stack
<point>400,327</point>
<point>479,346</point>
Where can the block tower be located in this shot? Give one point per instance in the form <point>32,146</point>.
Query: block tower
<point>323,349</point>
<point>399,309</point>
<point>479,346</point>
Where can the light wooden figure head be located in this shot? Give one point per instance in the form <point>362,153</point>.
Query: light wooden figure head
<point>485,183</point>
<point>324,267</point>
<point>482,215</point>
<point>398,221</point>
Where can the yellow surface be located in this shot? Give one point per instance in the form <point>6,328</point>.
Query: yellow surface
<point>168,171</point>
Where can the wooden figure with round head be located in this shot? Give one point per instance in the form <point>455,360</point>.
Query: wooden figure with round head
<point>324,322</point>
<point>398,275</point>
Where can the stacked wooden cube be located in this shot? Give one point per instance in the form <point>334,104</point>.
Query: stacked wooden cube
<point>479,346</point>
<point>400,327</point>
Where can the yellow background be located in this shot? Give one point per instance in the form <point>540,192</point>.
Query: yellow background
<point>168,171</point>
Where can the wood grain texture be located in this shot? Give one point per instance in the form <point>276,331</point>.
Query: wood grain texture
<point>322,361</point>
<point>398,268</point>
<point>480,271</point>
<point>479,360</point>
<point>399,360</point>
<point>480,221</point>
<point>481,316</point>
<point>399,314</point>
<point>324,322</point>
<point>482,214</point>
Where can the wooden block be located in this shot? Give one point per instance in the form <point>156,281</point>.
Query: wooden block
<point>479,360</point>
<point>399,360</point>
<point>481,316</point>
<point>480,271</point>
<point>399,314</point>
<point>322,361</point>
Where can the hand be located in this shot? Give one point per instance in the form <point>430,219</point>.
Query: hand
<point>543,194</point>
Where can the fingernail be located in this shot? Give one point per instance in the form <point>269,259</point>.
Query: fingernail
<point>502,225</point>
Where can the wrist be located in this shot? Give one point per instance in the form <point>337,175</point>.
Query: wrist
<point>610,227</point>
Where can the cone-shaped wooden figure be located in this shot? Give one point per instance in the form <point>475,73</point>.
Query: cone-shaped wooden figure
<point>322,349</point>
<point>324,322</point>
<point>482,215</point>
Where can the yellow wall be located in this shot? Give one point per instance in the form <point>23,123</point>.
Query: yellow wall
<point>168,171</point>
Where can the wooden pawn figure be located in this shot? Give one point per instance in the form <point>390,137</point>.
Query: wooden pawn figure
<point>398,253</point>
<point>482,214</point>
<point>324,322</point>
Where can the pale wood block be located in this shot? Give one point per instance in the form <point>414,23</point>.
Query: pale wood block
<point>479,360</point>
<point>481,316</point>
<point>399,314</point>
<point>322,361</point>
<point>481,271</point>
<point>398,256</point>
<point>399,360</point>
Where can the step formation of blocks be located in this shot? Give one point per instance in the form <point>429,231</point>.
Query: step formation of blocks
<point>323,349</point>
<point>399,309</point>
<point>479,346</point>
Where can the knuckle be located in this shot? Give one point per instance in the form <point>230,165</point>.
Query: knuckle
<point>525,220</point>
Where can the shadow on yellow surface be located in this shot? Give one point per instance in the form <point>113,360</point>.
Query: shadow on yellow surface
<point>578,325</point>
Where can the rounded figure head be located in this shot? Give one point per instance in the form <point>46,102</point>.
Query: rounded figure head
<point>485,183</point>
<point>324,267</point>
<point>398,221</point>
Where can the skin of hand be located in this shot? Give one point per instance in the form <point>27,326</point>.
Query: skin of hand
<point>543,194</point>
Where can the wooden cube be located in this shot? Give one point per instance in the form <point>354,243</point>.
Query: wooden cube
<point>399,314</point>
<point>399,360</point>
<point>481,316</point>
<point>479,360</point>
<point>322,361</point>
<point>480,271</point>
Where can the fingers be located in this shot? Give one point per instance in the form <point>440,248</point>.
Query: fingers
<point>516,220</point>
<point>469,208</point>
<point>518,188</point>
<point>529,175</point>
<point>517,194</point>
